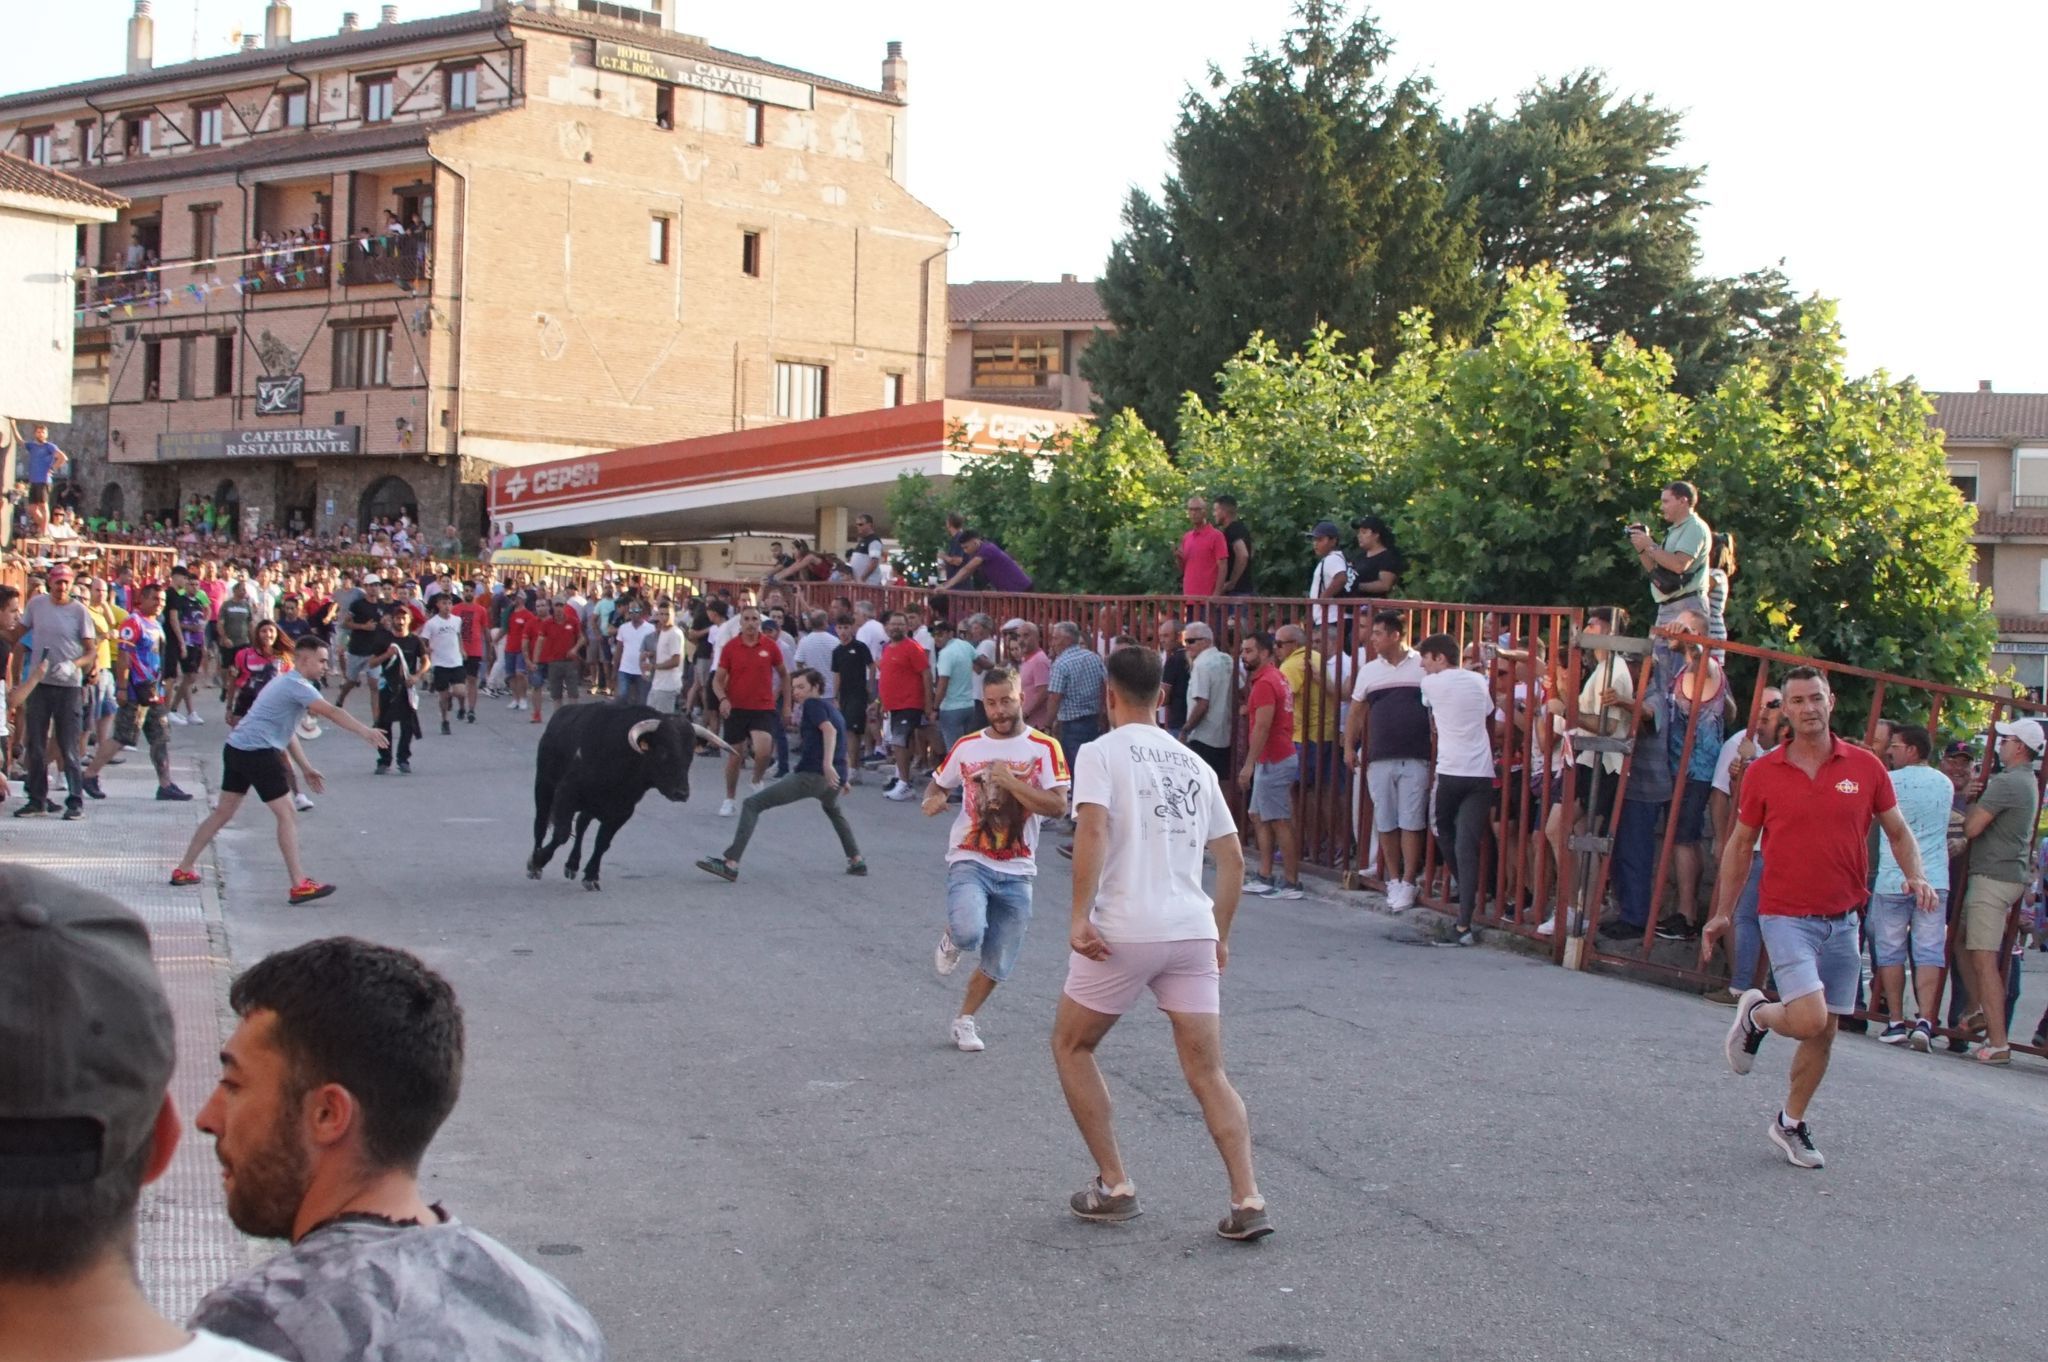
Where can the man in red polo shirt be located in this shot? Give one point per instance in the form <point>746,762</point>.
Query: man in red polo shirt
<point>1203,552</point>
<point>555,656</point>
<point>750,666</point>
<point>520,628</point>
<point>475,614</point>
<point>1813,799</point>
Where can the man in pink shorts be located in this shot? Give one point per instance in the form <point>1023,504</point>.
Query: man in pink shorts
<point>1146,809</point>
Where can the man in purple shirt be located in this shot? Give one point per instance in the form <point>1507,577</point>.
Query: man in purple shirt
<point>983,555</point>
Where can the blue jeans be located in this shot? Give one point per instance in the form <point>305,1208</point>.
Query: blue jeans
<point>632,689</point>
<point>1636,844</point>
<point>1894,919</point>
<point>1076,734</point>
<point>955,724</point>
<point>987,911</point>
<point>1749,938</point>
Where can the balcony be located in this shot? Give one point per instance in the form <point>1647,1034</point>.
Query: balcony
<point>391,260</point>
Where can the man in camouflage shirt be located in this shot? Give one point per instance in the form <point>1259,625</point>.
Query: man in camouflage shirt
<point>347,1060</point>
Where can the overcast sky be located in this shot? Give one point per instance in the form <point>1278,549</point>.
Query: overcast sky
<point>1889,154</point>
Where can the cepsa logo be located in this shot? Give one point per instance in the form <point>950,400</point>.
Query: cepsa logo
<point>545,481</point>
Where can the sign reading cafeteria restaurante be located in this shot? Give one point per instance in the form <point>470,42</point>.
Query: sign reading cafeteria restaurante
<point>703,75</point>
<point>282,442</point>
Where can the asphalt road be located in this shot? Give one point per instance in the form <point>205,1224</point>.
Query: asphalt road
<point>730,1118</point>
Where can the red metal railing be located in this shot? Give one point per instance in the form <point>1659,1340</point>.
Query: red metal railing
<point>147,561</point>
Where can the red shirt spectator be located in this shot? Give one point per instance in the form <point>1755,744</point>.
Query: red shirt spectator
<point>903,669</point>
<point>475,619</point>
<point>554,637</point>
<point>1823,823</point>
<point>519,626</point>
<point>750,672</point>
<point>1203,551</point>
<point>1269,688</point>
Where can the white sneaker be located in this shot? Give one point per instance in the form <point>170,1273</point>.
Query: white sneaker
<point>515,704</point>
<point>178,718</point>
<point>757,787</point>
<point>899,792</point>
<point>1547,927</point>
<point>194,719</point>
<point>946,956</point>
<point>965,1036</point>
<point>302,804</point>
<point>1400,894</point>
<point>728,809</point>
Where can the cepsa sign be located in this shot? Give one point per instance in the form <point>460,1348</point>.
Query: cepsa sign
<point>543,482</point>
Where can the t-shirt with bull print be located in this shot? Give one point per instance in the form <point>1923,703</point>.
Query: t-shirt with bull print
<point>993,828</point>
<point>362,1287</point>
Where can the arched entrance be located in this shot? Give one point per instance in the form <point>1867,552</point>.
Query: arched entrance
<point>227,509</point>
<point>386,499</point>
<point>111,501</point>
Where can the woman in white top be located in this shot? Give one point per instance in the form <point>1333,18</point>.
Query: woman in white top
<point>1605,701</point>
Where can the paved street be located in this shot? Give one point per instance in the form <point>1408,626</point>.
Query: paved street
<point>730,1119</point>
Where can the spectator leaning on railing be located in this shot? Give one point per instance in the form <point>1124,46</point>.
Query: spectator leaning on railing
<point>1376,565</point>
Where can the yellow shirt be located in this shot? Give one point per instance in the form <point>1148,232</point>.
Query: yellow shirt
<point>105,620</point>
<point>1293,670</point>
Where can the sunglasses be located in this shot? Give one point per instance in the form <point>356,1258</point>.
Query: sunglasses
<point>1774,704</point>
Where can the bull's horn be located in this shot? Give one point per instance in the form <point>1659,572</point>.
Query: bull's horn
<point>641,730</point>
<point>708,736</point>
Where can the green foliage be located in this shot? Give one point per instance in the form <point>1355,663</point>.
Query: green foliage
<point>1306,193</point>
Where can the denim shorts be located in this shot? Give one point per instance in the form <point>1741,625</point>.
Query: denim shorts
<point>987,911</point>
<point>955,724</point>
<point>1814,955</point>
<point>1893,917</point>
<point>1400,794</point>
<point>1273,789</point>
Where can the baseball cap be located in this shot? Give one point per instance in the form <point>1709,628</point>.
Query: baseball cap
<point>1011,626</point>
<point>86,1041</point>
<point>58,573</point>
<point>2028,731</point>
<point>1325,529</point>
<point>1958,749</point>
<point>369,579</point>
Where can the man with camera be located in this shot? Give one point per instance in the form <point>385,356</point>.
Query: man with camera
<point>1678,569</point>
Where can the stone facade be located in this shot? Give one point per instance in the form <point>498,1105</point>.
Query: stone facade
<point>608,259</point>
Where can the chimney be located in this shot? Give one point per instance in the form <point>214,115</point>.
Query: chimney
<point>348,21</point>
<point>277,24</point>
<point>141,39</point>
<point>1069,279</point>
<point>1983,385</point>
<point>248,42</point>
<point>389,18</point>
<point>896,72</point>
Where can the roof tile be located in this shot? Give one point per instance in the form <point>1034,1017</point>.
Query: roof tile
<point>1009,300</point>
<point>2013,418</point>
<point>19,176</point>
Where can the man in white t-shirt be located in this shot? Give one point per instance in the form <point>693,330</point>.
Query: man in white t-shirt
<point>1332,576</point>
<point>1147,808</point>
<point>634,636</point>
<point>443,635</point>
<point>815,649</point>
<point>89,1120</point>
<point>1461,707</point>
<point>665,684</point>
<point>868,557</point>
<point>1014,777</point>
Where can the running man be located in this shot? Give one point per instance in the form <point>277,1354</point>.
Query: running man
<point>139,678</point>
<point>443,636</point>
<point>474,614</point>
<point>1813,799</point>
<point>254,758</point>
<point>1146,809</point>
<point>820,774</point>
<point>1014,777</point>
<point>748,675</point>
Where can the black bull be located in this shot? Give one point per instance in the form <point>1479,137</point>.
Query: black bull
<point>595,762</point>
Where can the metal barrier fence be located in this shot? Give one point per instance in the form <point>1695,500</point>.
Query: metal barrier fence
<point>146,560</point>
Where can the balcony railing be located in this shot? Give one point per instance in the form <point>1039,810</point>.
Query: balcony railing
<point>404,260</point>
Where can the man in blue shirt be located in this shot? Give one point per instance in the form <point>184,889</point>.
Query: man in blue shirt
<point>1924,797</point>
<point>820,774</point>
<point>42,460</point>
<point>254,758</point>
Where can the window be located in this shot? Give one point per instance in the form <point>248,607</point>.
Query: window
<point>657,238</point>
<point>892,390</point>
<point>295,108</point>
<point>665,107</point>
<point>750,254</point>
<point>223,366</point>
<point>138,135</point>
<point>188,355</point>
<point>751,123</point>
<point>39,146</point>
<point>377,100</point>
<point>461,92</point>
<point>362,357</point>
<point>152,370</point>
<point>1015,361</point>
<point>1963,477</point>
<point>209,123</point>
<point>2029,479</point>
<point>88,139</point>
<point>799,390</point>
<point>203,221</point>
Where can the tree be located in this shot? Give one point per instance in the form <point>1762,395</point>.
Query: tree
<point>1582,182</point>
<point>1714,325</point>
<point>1307,193</point>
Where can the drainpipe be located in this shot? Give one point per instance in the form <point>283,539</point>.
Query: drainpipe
<point>924,317</point>
<point>312,103</point>
<point>242,320</point>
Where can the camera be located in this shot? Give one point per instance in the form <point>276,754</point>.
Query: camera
<point>1637,527</point>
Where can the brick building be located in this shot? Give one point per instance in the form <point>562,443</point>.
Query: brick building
<point>360,270</point>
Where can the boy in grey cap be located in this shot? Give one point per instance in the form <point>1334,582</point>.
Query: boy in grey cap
<point>85,1120</point>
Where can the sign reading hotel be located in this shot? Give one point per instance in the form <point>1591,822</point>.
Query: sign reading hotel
<point>703,75</point>
<point>301,442</point>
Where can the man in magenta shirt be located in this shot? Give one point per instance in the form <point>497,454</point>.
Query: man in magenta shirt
<point>1203,551</point>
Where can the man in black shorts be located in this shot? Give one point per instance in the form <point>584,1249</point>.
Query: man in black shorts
<point>752,685</point>
<point>185,619</point>
<point>443,638</point>
<point>853,667</point>
<point>254,758</point>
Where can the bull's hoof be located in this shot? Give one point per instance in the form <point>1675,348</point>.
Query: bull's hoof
<point>532,871</point>
<point>569,871</point>
<point>592,885</point>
